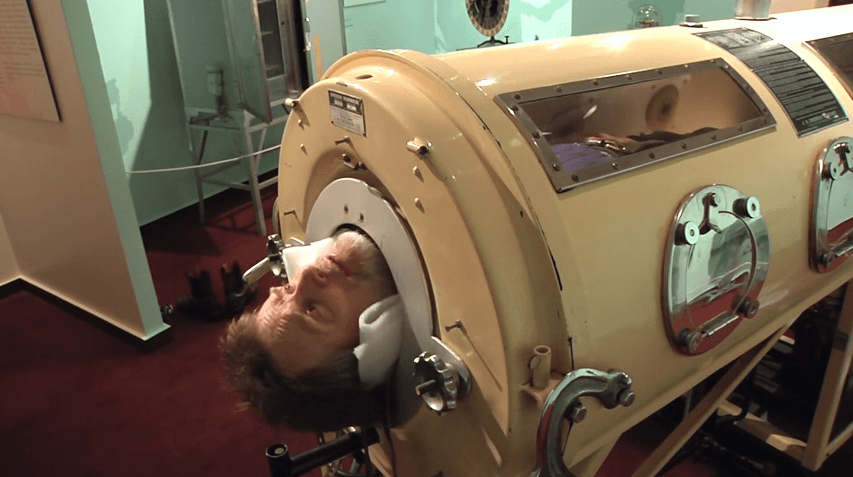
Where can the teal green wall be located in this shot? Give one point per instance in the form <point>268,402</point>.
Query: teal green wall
<point>140,70</point>
<point>440,26</point>
<point>601,16</point>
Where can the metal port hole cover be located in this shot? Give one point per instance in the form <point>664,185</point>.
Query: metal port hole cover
<point>832,215</point>
<point>717,257</point>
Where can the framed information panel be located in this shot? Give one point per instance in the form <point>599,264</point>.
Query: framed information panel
<point>24,84</point>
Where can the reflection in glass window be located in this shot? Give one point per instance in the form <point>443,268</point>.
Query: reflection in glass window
<point>837,51</point>
<point>591,129</point>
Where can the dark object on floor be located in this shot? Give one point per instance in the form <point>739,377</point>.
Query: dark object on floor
<point>237,293</point>
<point>202,302</point>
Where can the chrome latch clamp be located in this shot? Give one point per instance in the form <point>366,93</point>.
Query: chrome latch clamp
<point>612,389</point>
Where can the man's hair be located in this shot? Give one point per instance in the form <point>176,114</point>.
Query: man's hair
<point>329,398</point>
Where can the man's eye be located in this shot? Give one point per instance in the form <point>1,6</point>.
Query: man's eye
<point>310,307</point>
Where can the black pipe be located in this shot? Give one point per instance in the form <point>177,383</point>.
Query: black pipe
<point>282,465</point>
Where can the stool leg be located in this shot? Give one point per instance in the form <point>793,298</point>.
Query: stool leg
<point>254,187</point>
<point>197,173</point>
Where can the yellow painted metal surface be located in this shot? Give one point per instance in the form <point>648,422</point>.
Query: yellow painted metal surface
<point>492,231</point>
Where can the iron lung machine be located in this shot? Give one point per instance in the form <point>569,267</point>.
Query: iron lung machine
<point>584,228</point>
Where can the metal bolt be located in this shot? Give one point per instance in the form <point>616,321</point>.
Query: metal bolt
<point>832,170</point>
<point>577,413</point>
<point>555,166</point>
<point>687,234</point>
<point>346,158</point>
<point>749,307</point>
<point>827,258</point>
<point>418,147</point>
<point>291,103</point>
<point>747,208</point>
<point>690,340</point>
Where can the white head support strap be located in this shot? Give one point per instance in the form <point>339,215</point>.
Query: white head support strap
<point>380,326</point>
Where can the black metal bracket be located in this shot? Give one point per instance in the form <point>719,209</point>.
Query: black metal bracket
<point>282,465</point>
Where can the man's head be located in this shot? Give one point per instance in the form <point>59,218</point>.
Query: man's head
<point>293,356</point>
<point>305,322</point>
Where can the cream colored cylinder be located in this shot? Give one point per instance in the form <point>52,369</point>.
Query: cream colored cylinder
<point>540,367</point>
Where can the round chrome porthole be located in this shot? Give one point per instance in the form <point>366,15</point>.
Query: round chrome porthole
<point>832,206</point>
<point>718,255</point>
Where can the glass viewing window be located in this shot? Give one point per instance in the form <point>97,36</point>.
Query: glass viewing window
<point>592,129</point>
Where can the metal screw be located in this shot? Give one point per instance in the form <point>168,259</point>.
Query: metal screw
<point>626,397</point>
<point>455,324</point>
<point>555,166</point>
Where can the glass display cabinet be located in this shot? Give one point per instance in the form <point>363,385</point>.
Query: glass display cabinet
<point>238,61</point>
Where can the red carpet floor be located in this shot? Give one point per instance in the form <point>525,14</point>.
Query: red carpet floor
<point>78,401</point>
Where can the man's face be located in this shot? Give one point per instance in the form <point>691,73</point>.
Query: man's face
<point>303,323</point>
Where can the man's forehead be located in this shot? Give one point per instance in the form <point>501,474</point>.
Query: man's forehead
<point>296,258</point>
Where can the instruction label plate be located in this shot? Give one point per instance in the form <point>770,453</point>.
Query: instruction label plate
<point>806,98</point>
<point>347,112</point>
